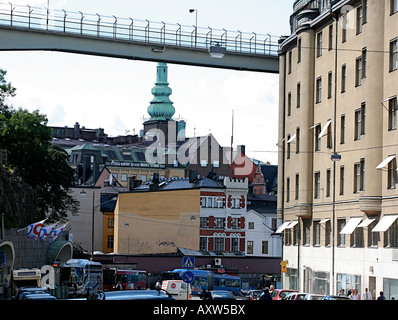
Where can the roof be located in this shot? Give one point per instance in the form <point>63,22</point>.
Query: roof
<point>180,183</point>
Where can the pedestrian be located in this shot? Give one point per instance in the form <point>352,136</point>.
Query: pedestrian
<point>75,286</point>
<point>265,295</point>
<point>119,286</point>
<point>6,289</point>
<point>271,289</point>
<point>341,292</point>
<point>354,295</point>
<point>366,295</point>
<point>381,297</point>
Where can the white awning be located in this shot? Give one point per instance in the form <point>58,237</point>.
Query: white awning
<point>291,138</point>
<point>292,224</point>
<point>324,220</point>
<point>385,223</point>
<point>366,222</point>
<point>282,227</point>
<point>351,226</point>
<point>324,128</point>
<point>385,162</point>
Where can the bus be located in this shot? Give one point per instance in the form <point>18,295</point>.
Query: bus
<point>84,274</point>
<point>129,279</point>
<point>205,279</point>
<point>25,278</point>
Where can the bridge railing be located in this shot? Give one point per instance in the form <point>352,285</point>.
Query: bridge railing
<point>159,34</point>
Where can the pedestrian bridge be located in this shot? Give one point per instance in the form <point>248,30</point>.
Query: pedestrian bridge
<point>31,28</point>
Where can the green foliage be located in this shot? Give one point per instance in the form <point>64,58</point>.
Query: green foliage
<point>32,157</point>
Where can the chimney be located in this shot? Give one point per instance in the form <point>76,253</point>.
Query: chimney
<point>242,149</point>
<point>76,131</point>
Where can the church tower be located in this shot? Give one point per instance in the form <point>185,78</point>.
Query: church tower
<point>161,110</point>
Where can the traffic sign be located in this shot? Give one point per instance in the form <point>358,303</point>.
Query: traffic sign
<point>188,277</point>
<point>284,266</point>
<point>188,262</point>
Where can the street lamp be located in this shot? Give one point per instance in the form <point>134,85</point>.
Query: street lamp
<point>196,23</point>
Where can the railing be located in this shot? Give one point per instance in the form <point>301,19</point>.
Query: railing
<point>139,31</point>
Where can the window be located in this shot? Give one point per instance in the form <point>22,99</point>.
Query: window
<point>298,94</point>
<point>317,137</point>
<point>297,140</point>
<point>341,180</point>
<point>111,222</point>
<point>393,54</point>
<point>317,184</point>
<point>319,90</point>
<point>392,113</point>
<point>299,50</point>
<point>110,241</point>
<point>360,116</point>
<point>357,238</point>
<point>394,6</point>
<point>264,247</point>
<point>235,244</point>
<point>203,163</point>
<point>124,177</point>
<point>329,142</point>
<point>392,174</point>
<point>307,232</point>
<point>342,129</point>
<point>235,223</point>
<point>317,233</point>
<point>250,225</point>
<point>341,237</point>
<point>203,222</point>
<point>203,244</point>
<point>219,244</point>
<point>290,62</point>
<point>287,189</point>
<point>203,202</point>
<point>330,84</point>
<point>250,247</point>
<point>297,186</point>
<point>344,28</point>
<point>328,182</point>
<point>220,223</point>
<point>289,103</point>
<point>288,147</point>
<point>357,176</point>
<point>365,11</point>
<point>328,232</point>
<point>391,236</point>
<point>358,71</point>
<point>359,19</point>
<point>343,78</point>
<point>319,44</point>
<point>364,61</point>
<point>373,237</point>
<point>362,174</point>
<point>331,37</point>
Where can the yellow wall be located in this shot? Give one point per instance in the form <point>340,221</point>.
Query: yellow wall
<point>157,222</point>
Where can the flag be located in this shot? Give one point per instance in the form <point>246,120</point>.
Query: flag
<point>55,233</point>
<point>34,230</point>
<point>45,231</point>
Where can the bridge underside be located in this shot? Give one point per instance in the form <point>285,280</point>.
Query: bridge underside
<point>15,39</point>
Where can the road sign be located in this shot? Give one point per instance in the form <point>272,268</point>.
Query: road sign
<point>188,262</point>
<point>283,266</point>
<point>188,277</point>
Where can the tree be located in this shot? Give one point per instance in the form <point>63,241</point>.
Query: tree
<point>32,157</point>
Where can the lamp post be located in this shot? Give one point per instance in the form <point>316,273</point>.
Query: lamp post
<point>196,23</point>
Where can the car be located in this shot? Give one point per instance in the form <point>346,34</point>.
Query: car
<point>131,295</point>
<point>296,296</point>
<point>22,291</point>
<point>218,295</point>
<point>331,297</point>
<point>313,296</point>
<point>252,294</point>
<point>280,294</point>
<point>38,296</point>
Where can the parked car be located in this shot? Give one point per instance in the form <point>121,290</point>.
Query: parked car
<point>38,296</point>
<point>22,291</point>
<point>296,296</point>
<point>330,297</point>
<point>312,296</point>
<point>252,294</point>
<point>131,295</point>
<point>280,294</point>
<point>219,295</point>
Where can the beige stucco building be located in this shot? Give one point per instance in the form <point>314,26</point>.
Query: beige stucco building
<point>338,141</point>
<point>157,222</point>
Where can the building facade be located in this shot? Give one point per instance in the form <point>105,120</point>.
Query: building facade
<point>337,127</point>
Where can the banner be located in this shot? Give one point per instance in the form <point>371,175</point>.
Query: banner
<point>34,230</point>
<point>55,233</point>
<point>46,230</point>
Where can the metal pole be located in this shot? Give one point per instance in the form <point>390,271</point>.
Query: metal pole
<point>92,228</point>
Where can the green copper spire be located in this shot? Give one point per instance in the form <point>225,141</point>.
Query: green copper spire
<point>161,108</point>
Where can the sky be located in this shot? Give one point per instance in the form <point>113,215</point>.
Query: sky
<point>114,94</point>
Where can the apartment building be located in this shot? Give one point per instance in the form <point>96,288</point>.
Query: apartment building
<point>338,144</point>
